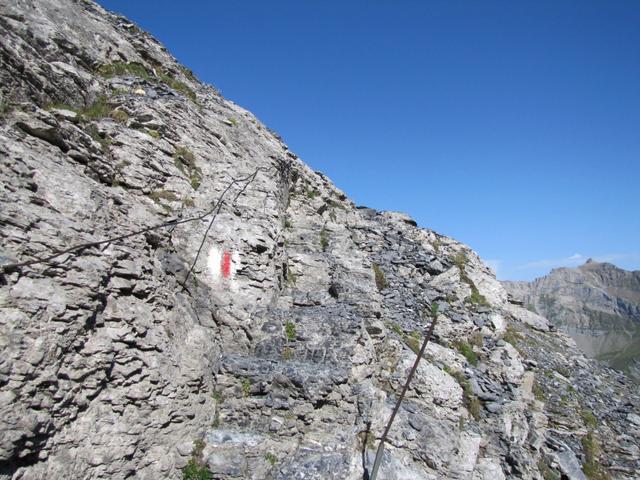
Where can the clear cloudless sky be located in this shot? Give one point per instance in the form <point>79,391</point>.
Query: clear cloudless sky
<point>513,126</point>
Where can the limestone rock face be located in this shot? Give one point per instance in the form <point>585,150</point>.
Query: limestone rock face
<point>597,304</point>
<point>230,310</point>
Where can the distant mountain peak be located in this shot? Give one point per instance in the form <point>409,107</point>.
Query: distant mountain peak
<point>597,303</point>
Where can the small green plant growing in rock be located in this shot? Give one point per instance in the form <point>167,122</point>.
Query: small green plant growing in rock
<point>149,131</point>
<point>565,372</point>
<point>138,70</point>
<point>158,195</point>
<point>5,107</point>
<point>467,352</point>
<point>367,439</point>
<point>187,72</point>
<point>546,471</point>
<point>246,387</point>
<point>287,223</point>
<point>395,327</point>
<point>413,341</point>
<point>287,353</point>
<point>196,469</point>
<point>476,298</point>
<point>94,133</point>
<point>460,260</point>
<point>589,419</point>
<point>311,194</point>
<point>538,392</point>
<point>511,335</point>
<point>120,116</point>
<point>217,399</point>
<point>98,109</point>
<point>120,91</point>
<point>476,340</point>
<point>324,239</point>
<point>271,458</point>
<point>116,69</point>
<point>178,86</point>
<point>290,331</point>
<point>62,106</point>
<point>471,402</point>
<point>381,281</point>
<point>185,160</point>
<point>153,133</point>
<point>591,465</point>
<point>436,244</point>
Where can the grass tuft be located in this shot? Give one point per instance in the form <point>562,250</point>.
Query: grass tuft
<point>98,109</point>
<point>471,402</point>
<point>467,352</point>
<point>324,239</point>
<point>246,387</point>
<point>120,116</point>
<point>287,353</point>
<point>158,195</point>
<point>117,69</point>
<point>271,458</point>
<point>185,160</point>
<point>381,281</point>
<point>290,331</point>
<point>196,469</point>
<point>512,336</point>
<point>589,419</point>
<point>591,466</point>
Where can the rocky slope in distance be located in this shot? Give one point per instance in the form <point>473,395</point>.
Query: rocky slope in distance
<point>597,304</point>
<point>229,313</point>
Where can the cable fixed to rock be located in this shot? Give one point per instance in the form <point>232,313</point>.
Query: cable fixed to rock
<point>380,451</point>
<point>248,180</point>
<point>12,267</point>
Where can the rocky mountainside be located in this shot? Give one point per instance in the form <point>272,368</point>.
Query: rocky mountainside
<point>182,297</point>
<point>597,304</point>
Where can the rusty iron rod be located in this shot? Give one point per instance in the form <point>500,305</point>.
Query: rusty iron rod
<point>380,451</point>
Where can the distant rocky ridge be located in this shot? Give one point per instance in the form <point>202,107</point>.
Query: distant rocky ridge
<point>597,304</point>
<point>230,313</point>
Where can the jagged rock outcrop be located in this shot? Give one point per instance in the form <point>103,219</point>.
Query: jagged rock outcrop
<point>270,343</point>
<point>597,304</point>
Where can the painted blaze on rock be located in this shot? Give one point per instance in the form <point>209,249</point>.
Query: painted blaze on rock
<point>222,264</point>
<point>225,264</point>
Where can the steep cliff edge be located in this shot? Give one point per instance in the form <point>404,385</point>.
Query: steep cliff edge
<point>597,304</point>
<point>249,320</point>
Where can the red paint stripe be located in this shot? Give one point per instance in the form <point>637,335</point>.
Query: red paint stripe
<point>226,264</point>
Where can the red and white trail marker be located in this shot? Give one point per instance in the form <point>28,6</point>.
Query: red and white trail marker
<point>222,265</point>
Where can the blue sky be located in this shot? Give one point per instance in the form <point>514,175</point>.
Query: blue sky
<point>511,126</point>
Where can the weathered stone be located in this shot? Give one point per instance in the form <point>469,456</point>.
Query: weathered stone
<point>280,349</point>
